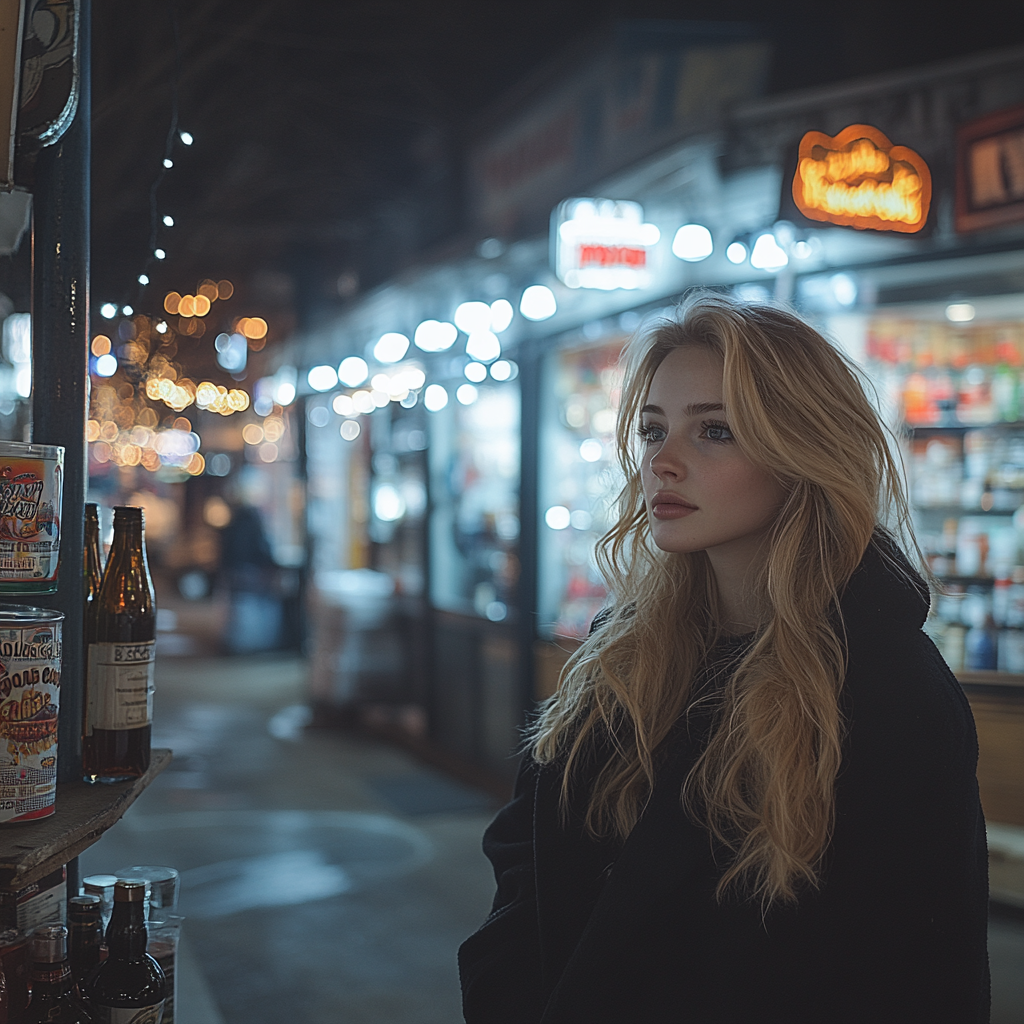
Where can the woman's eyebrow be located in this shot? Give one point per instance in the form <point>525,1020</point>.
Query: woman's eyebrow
<point>695,409</point>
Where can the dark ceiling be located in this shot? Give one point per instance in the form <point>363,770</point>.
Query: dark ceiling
<point>329,133</point>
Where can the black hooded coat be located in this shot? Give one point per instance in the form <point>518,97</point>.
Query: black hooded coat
<point>590,932</point>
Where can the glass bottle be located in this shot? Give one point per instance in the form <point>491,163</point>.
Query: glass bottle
<point>92,568</point>
<point>129,985</point>
<point>53,988</point>
<point>85,916</point>
<point>119,684</point>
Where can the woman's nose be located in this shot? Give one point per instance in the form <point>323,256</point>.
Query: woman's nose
<point>666,463</point>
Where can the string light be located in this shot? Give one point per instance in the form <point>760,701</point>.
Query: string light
<point>168,220</point>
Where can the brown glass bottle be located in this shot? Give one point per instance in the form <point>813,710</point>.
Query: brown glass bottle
<point>85,918</point>
<point>92,567</point>
<point>129,979</point>
<point>53,989</point>
<point>119,679</point>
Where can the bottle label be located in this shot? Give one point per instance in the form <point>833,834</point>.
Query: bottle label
<point>129,1014</point>
<point>30,495</point>
<point>120,686</point>
<point>29,700</point>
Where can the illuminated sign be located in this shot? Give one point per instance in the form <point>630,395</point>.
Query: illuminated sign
<point>602,243</point>
<point>859,179</point>
<point>990,171</point>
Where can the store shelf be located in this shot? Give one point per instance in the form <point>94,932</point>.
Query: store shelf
<point>1004,680</point>
<point>959,510</point>
<point>83,813</point>
<point>939,428</point>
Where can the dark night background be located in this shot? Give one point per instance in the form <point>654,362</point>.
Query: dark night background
<point>329,136</point>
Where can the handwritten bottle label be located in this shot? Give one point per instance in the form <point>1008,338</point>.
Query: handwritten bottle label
<point>120,686</point>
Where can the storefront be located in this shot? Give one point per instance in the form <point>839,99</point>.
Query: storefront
<point>502,505</point>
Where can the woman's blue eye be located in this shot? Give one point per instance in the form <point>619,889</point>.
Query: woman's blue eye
<point>716,431</point>
<point>652,434</point>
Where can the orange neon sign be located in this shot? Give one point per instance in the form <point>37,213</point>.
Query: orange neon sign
<point>860,179</point>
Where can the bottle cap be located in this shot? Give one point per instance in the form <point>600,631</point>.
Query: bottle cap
<point>98,884</point>
<point>50,944</point>
<point>163,883</point>
<point>85,908</point>
<point>130,890</point>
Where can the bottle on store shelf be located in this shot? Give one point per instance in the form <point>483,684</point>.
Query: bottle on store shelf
<point>54,996</point>
<point>1006,394</point>
<point>85,916</point>
<point>118,716</point>
<point>92,568</point>
<point>103,887</point>
<point>980,650</point>
<point>129,985</point>
<point>14,966</point>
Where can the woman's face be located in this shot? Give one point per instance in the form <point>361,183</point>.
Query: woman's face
<point>702,493</point>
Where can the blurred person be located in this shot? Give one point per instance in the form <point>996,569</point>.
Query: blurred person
<point>251,576</point>
<point>752,798</point>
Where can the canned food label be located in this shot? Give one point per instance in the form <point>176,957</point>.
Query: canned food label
<point>120,686</point>
<point>30,494</point>
<point>129,1014</point>
<point>29,700</point>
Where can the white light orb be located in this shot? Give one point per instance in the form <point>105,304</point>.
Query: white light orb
<point>127,310</point>
<point>501,370</point>
<point>591,450</point>
<point>353,371</point>
<point>501,315</point>
<point>435,335</point>
<point>959,312</point>
<point>343,405</point>
<point>391,347</point>
<point>557,517</point>
<point>736,252</point>
<point>767,254</point>
<point>693,243</point>
<point>363,402</point>
<point>106,366</point>
<point>322,378</point>
<point>473,316</point>
<point>284,393</point>
<point>350,430</point>
<point>844,290</point>
<point>435,398</point>
<point>388,503</point>
<point>475,372</point>
<point>483,346</point>
<point>467,394</point>
<point>538,303</point>
<point>108,311</point>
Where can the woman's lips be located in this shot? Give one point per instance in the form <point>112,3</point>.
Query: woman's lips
<point>667,506</point>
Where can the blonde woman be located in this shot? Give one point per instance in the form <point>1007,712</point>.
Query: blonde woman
<point>753,797</point>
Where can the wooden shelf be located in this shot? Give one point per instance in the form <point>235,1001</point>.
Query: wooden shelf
<point>83,813</point>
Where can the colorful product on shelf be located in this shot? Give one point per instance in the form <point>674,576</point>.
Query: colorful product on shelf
<point>30,654</point>
<point>31,481</point>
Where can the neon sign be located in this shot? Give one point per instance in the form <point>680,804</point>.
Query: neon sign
<point>603,243</point>
<point>860,179</point>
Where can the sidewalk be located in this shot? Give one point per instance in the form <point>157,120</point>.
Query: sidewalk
<point>325,877</point>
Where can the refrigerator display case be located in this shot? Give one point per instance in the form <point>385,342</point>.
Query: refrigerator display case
<point>474,481</point>
<point>579,481</point>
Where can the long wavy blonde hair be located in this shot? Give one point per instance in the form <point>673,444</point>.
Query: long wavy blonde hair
<point>764,785</point>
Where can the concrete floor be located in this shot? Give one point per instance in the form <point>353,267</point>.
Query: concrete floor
<point>325,878</point>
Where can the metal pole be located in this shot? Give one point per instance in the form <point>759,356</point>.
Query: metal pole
<point>60,387</point>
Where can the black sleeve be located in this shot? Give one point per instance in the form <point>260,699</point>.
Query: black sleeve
<point>905,900</point>
<point>499,964</point>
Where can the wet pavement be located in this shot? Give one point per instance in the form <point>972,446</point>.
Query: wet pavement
<point>326,877</point>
